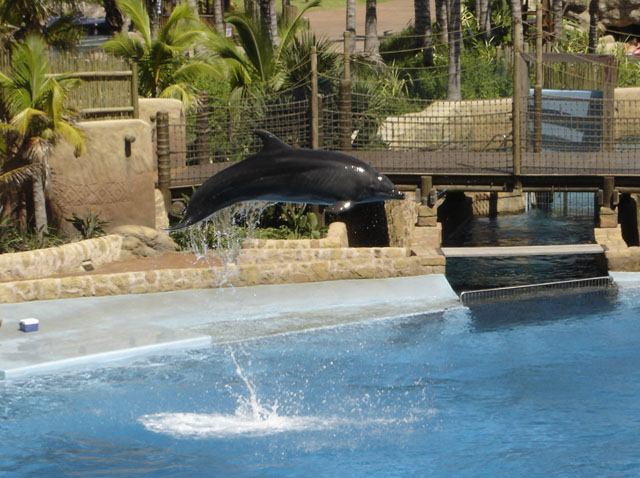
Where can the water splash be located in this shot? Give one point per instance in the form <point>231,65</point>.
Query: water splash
<point>251,418</point>
<point>224,233</point>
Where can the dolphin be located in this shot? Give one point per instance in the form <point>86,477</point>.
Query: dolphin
<point>281,173</point>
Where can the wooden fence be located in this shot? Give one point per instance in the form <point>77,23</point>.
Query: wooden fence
<point>109,85</point>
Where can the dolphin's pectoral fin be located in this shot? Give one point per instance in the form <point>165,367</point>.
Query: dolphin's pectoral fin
<point>270,141</point>
<point>339,206</point>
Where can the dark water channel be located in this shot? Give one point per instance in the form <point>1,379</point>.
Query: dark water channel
<point>566,221</point>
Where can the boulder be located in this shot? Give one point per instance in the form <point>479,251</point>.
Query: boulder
<point>141,241</point>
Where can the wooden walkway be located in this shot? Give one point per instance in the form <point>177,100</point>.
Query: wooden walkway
<point>516,251</point>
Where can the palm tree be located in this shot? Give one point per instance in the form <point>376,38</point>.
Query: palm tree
<point>594,17</point>
<point>483,16</point>
<point>255,61</point>
<point>351,24</point>
<point>164,68</point>
<point>455,43</point>
<point>371,42</point>
<point>34,104</point>
<point>23,17</point>
<point>269,20</point>
<point>558,9</point>
<point>423,30</point>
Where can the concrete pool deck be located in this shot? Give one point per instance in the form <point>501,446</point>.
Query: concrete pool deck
<point>95,330</point>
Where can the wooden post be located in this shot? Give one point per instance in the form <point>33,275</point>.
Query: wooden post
<point>345,98</point>
<point>426,184</point>
<point>314,99</point>
<point>537,95</point>
<point>608,186</point>
<point>163,152</point>
<point>517,94</point>
<point>202,129</point>
<point>134,90</point>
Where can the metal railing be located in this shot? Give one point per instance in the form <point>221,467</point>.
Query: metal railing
<point>523,291</point>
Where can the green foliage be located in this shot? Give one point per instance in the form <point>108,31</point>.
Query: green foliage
<point>300,222</point>
<point>253,66</point>
<point>14,239</point>
<point>54,20</point>
<point>165,69</point>
<point>482,76</point>
<point>89,226</point>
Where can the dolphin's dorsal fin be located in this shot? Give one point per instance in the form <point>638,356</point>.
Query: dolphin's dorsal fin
<point>270,142</point>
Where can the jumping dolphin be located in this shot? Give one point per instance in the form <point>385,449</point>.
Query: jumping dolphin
<point>280,173</point>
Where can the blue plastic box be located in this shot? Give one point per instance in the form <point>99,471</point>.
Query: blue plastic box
<point>29,325</point>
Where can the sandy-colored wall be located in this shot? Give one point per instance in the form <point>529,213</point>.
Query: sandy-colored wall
<point>109,179</point>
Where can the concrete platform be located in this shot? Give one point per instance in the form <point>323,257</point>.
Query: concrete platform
<point>87,331</point>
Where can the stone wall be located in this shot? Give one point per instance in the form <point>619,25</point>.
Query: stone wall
<point>115,178</point>
<point>272,262</point>
<point>68,258</point>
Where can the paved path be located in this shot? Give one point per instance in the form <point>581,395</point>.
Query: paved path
<point>393,17</point>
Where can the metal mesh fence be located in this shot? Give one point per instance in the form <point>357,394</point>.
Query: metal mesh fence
<point>565,203</point>
<point>217,135</point>
<point>572,134</point>
<point>581,136</point>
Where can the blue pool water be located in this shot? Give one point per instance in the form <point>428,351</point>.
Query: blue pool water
<point>555,224</point>
<point>526,388</point>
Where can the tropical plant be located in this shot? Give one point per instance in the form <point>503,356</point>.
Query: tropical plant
<point>55,20</point>
<point>255,62</point>
<point>34,103</point>
<point>90,225</point>
<point>166,66</point>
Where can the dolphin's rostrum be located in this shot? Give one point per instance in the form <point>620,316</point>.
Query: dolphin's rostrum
<point>280,173</point>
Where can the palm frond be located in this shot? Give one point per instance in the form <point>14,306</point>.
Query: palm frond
<point>136,10</point>
<point>130,46</point>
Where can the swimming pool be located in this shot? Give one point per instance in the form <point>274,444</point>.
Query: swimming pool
<point>522,388</point>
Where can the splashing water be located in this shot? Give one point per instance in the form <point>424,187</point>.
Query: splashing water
<point>224,233</point>
<point>251,418</point>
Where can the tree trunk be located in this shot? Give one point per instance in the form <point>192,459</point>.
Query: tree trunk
<point>455,40</point>
<point>39,205</point>
<point>483,13</point>
<point>558,10</point>
<point>423,30</point>
<point>113,15</point>
<point>442,17</point>
<point>351,24</point>
<point>371,42</point>
<point>152,11</point>
<point>594,18</point>
<point>219,19</point>
<point>269,20</point>
<point>516,12</point>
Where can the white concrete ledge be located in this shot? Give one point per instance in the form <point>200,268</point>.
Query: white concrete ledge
<point>87,331</point>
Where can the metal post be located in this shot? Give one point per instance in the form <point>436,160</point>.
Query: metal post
<point>426,185</point>
<point>608,186</point>
<point>314,99</point>
<point>163,152</point>
<point>537,95</point>
<point>134,90</point>
<point>345,98</point>
<point>517,94</point>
